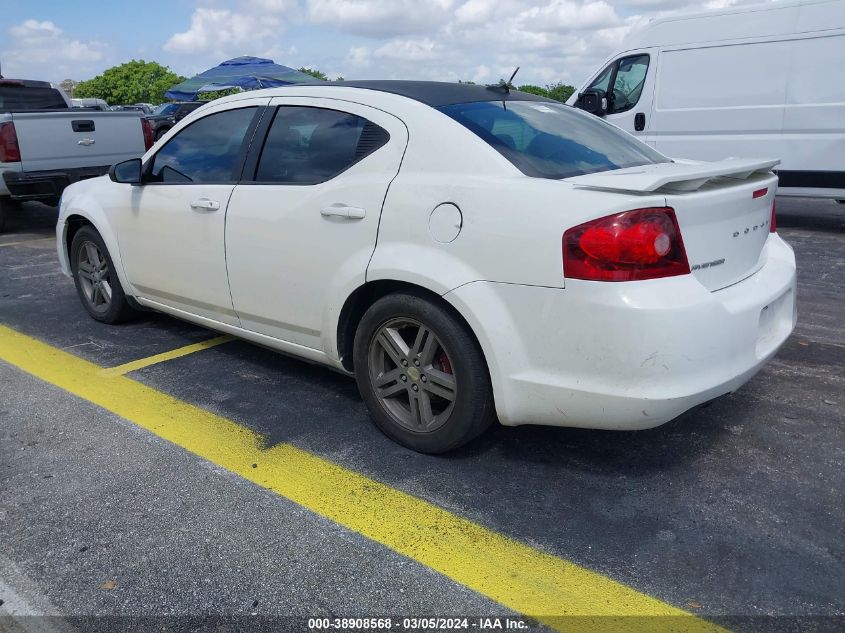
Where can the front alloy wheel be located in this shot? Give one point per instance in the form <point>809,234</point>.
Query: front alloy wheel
<point>94,277</point>
<point>96,281</point>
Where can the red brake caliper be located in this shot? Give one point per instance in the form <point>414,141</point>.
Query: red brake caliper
<point>444,362</point>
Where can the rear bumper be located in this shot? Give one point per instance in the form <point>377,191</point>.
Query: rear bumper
<point>47,185</point>
<point>629,355</point>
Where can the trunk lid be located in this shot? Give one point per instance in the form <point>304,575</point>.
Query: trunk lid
<point>723,210</point>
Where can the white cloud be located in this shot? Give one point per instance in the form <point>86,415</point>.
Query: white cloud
<point>222,32</point>
<point>358,56</point>
<point>380,18</point>
<point>41,50</point>
<point>568,15</point>
<point>410,50</point>
<point>481,40</point>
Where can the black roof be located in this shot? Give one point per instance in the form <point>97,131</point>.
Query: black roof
<point>436,93</point>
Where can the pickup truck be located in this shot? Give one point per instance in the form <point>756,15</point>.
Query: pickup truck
<point>45,145</point>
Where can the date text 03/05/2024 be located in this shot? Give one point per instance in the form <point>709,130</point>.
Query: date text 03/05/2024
<point>416,624</point>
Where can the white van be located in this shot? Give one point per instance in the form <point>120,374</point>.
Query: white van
<point>754,81</point>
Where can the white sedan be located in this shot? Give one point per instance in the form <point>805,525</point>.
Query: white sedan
<point>469,253</point>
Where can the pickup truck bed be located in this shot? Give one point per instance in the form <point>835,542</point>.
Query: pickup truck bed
<point>45,145</point>
<point>60,147</point>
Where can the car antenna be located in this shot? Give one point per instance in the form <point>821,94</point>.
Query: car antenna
<point>504,85</point>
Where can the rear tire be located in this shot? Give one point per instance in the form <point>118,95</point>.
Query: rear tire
<point>97,283</point>
<point>422,374</point>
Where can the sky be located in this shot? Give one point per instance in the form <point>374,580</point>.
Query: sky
<point>447,40</point>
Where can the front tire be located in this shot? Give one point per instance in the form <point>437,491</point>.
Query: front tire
<point>97,283</point>
<point>422,374</point>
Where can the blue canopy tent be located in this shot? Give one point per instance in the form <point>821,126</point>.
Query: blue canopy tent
<point>247,73</point>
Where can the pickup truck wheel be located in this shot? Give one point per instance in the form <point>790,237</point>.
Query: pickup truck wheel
<point>421,374</point>
<point>96,281</point>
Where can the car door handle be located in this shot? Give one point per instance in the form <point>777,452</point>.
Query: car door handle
<point>343,211</point>
<point>204,204</point>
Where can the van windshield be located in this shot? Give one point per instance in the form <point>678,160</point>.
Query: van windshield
<point>551,140</point>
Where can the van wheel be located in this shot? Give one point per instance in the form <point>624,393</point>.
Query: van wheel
<point>421,374</point>
<point>96,281</point>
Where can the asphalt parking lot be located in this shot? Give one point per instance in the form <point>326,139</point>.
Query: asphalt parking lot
<point>276,500</point>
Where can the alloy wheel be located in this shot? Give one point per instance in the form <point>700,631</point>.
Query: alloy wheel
<point>411,374</point>
<point>94,276</point>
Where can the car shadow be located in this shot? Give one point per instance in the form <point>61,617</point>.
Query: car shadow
<point>320,409</point>
<point>30,218</point>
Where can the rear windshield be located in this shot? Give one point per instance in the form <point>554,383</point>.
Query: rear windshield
<point>550,140</point>
<point>167,108</point>
<point>14,98</point>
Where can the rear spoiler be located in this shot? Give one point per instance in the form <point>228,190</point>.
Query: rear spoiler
<point>676,176</point>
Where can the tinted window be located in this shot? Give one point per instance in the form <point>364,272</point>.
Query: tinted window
<point>165,109</point>
<point>13,98</point>
<point>205,151</point>
<point>312,145</point>
<point>551,140</point>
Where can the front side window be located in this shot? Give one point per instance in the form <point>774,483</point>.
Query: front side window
<point>205,151</point>
<point>551,140</point>
<point>628,84</point>
<point>311,145</point>
<point>603,80</point>
<point>622,82</point>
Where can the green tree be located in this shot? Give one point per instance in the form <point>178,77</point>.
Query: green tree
<point>133,82</point>
<point>534,90</point>
<point>560,91</point>
<point>317,74</point>
<point>217,94</point>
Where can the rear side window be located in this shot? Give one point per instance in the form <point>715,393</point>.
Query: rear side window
<point>551,140</point>
<point>205,151</point>
<point>14,98</point>
<point>312,145</point>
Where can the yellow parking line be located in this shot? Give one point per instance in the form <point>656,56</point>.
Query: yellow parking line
<point>22,242</point>
<point>165,356</point>
<point>561,594</point>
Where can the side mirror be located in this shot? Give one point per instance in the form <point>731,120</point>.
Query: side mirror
<point>593,101</point>
<point>127,172</point>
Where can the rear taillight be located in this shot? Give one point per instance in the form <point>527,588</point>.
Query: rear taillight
<point>147,128</point>
<point>10,151</point>
<point>773,224</point>
<point>630,246</point>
